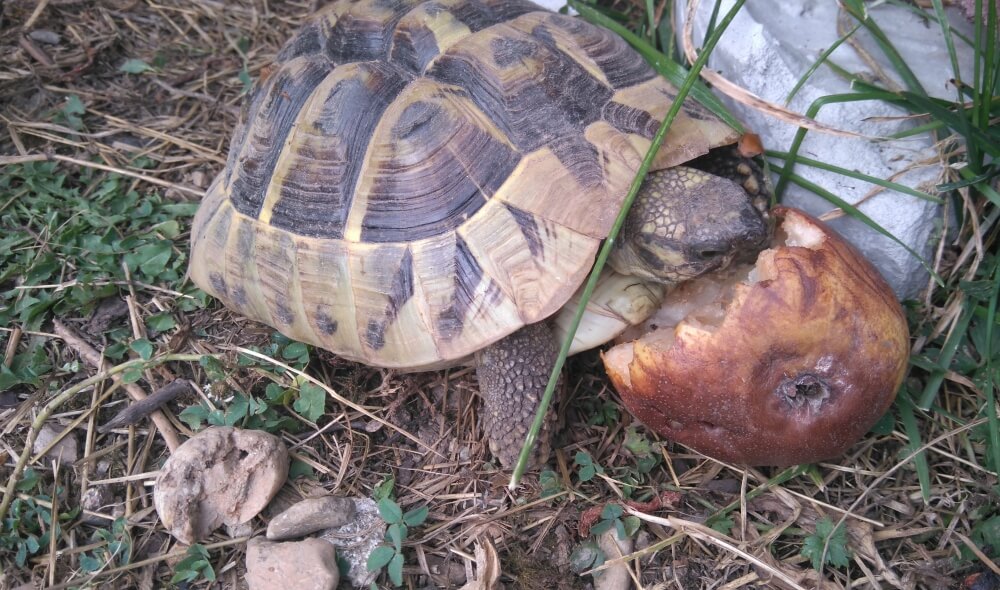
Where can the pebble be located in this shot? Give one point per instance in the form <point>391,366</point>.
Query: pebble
<point>310,563</point>
<point>309,516</point>
<point>219,476</point>
<point>65,451</point>
<point>615,577</point>
<point>45,36</point>
<point>97,499</point>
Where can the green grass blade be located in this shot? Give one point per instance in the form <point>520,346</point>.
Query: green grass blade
<point>665,32</point>
<point>990,172</point>
<point>979,140</point>
<point>948,351</point>
<point>989,383</point>
<point>901,188</point>
<point>919,129</point>
<point>986,83</point>
<point>605,251</point>
<point>945,24</point>
<point>920,12</point>
<point>669,69</point>
<point>615,16</point>
<point>858,10</point>
<point>912,430</point>
<point>713,19</point>
<point>651,21</point>
<point>854,212</point>
<point>992,421</point>
<point>984,189</point>
<point>935,124</point>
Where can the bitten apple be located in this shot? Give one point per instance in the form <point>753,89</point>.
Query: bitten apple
<point>787,361</point>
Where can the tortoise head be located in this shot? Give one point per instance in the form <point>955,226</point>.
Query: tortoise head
<point>686,222</point>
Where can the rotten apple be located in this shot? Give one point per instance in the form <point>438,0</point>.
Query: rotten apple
<point>787,361</point>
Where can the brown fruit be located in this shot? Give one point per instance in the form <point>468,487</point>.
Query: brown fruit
<point>789,361</point>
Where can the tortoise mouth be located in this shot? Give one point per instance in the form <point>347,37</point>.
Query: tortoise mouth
<point>701,302</point>
<point>710,263</point>
<point>704,302</point>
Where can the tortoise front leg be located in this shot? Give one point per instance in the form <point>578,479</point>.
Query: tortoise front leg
<point>512,374</point>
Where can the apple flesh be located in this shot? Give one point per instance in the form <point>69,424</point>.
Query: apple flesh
<point>787,361</point>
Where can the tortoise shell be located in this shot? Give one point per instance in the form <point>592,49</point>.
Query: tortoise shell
<point>413,181</point>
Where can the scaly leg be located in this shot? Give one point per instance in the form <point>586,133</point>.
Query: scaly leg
<point>512,374</point>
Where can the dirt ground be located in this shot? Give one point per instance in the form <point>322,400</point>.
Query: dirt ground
<point>68,94</point>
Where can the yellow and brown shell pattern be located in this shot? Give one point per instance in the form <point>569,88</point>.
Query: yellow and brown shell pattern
<point>416,180</point>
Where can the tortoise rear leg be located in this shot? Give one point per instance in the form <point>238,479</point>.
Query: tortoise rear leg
<point>512,377</point>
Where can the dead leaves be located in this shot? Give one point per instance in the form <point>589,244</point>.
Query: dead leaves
<point>487,572</point>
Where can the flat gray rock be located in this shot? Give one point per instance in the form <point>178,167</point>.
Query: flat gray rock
<point>769,47</point>
<point>356,540</point>
<point>309,516</point>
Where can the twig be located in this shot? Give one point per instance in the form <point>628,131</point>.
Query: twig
<point>708,535</point>
<point>147,476</point>
<point>45,412</point>
<point>181,92</point>
<point>35,51</point>
<point>94,358</point>
<point>53,537</point>
<point>37,12</point>
<point>15,339</point>
<point>978,552</point>
<point>140,409</point>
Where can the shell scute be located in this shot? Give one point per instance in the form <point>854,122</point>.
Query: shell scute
<point>274,109</point>
<point>313,185</point>
<point>432,164</point>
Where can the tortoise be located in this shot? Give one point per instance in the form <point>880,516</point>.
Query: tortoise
<point>421,184</point>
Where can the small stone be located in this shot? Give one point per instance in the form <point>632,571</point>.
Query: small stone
<point>199,179</point>
<point>356,540</point>
<point>452,572</point>
<point>44,36</point>
<point>64,451</point>
<point>309,516</point>
<point>310,563</point>
<point>97,499</point>
<point>616,577</point>
<point>219,476</point>
<point>243,529</point>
